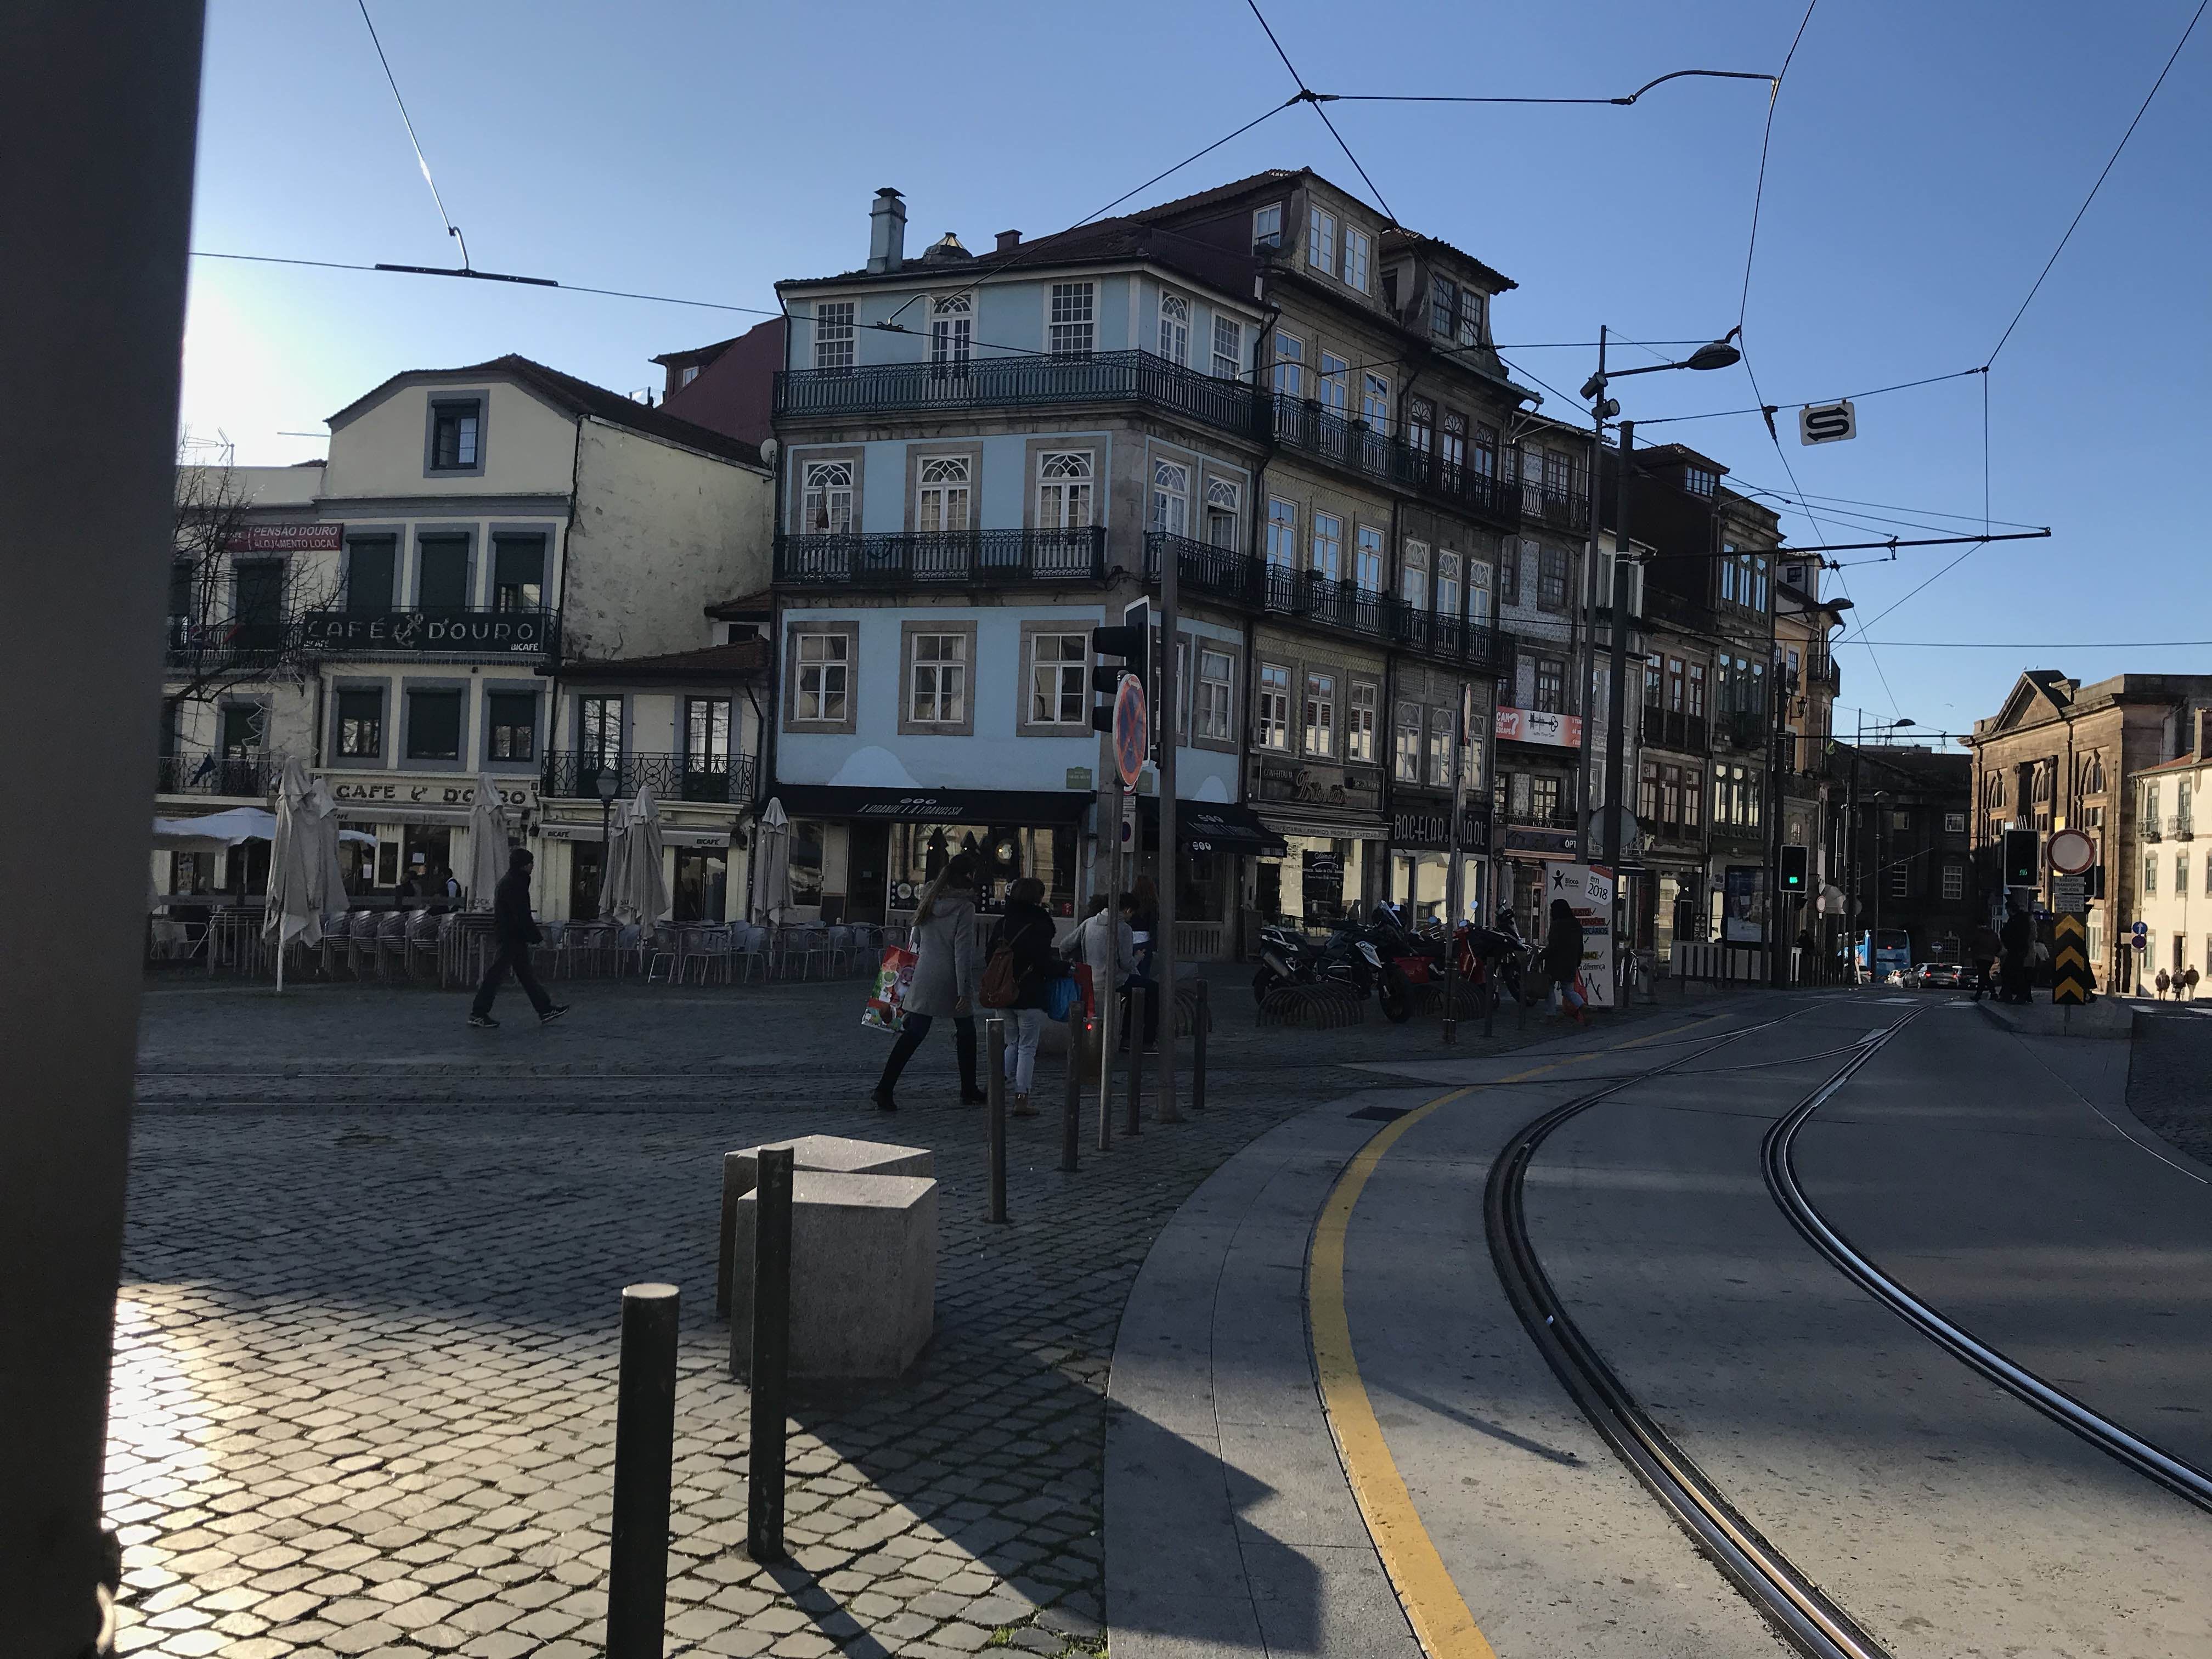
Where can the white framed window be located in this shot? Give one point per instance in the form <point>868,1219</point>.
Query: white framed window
<point>1321,714</point>
<point>1175,328</point>
<point>1060,679</point>
<point>1321,240</point>
<point>2150,874</point>
<point>1272,716</point>
<point>833,334</point>
<point>1955,882</point>
<point>937,680</point>
<point>1064,490</point>
<point>1470,316</point>
<point>1359,721</point>
<point>1413,575</point>
<point>1213,705</point>
<point>825,676</point>
<point>1328,546</point>
<point>1407,755</point>
<point>1477,592</point>
<point>1222,516</point>
<point>1336,384</point>
<point>1440,743</point>
<point>1448,589</point>
<point>1357,247</point>
<point>1290,366</point>
<point>952,328</point>
<point>1282,534</point>
<point>1268,226</point>
<point>1374,401</point>
<point>690,374</point>
<point>1073,325</point>
<point>1367,568</point>
<point>2181,875</point>
<point>825,502</point>
<point>1955,822</point>
<point>1170,497</point>
<point>943,494</point>
<point>1228,347</point>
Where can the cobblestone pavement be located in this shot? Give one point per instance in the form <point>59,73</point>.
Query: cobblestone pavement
<point>2170,1074</point>
<point>366,1353</point>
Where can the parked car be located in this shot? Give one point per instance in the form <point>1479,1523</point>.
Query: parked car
<point>1941,977</point>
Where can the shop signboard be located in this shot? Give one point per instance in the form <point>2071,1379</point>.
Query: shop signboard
<point>1537,726</point>
<point>1588,889</point>
<point>1743,909</point>
<point>284,538</point>
<point>374,791</point>
<point>525,632</point>
<point>1321,882</point>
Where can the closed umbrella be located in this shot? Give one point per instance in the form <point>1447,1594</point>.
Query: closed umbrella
<point>328,890</point>
<point>772,863</point>
<point>615,857</point>
<point>302,851</point>
<point>487,843</point>
<point>642,895</point>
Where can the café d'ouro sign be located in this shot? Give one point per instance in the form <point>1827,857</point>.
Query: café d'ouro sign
<point>526,631</point>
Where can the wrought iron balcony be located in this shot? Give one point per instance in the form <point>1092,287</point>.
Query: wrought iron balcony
<point>203,642</point>
<point>1028,381</point>
<point>433,630</point>
<point>720,778</point>
<point>1743,728</point>
<point>2181,826</point>
<point>953,557</point>
<point>1223,574</point>
<point>1309,428</point>
<point>1671,728</point>
<point>1562,505</point>
<point>202,772</point>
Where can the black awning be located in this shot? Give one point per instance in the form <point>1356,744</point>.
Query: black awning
<point>977,807</point>
<point>1216,826</point>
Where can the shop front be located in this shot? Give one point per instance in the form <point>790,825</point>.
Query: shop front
<point>1332,866</point>
<point>867,855</point>
<point>422,830</point>
<point>1218,846</point>
<point>1420,854</point>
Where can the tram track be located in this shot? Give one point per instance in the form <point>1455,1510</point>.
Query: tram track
<point>1789,1599</point>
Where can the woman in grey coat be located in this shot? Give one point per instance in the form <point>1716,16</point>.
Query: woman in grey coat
<point>946,970</point>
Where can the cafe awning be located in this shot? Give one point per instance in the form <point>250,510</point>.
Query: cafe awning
<point>977,807</point>
<point>1217,826</point>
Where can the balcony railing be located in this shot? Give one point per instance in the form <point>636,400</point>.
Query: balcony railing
<point>1223,574</point>
<point>1022,382</point>
<point>1672,728</point>
<point>1561,817</point>
<point>438,630</point>
<point>203,773</point>
<point>720,778</point>
<point>2181,826</point>
<point>1312,429</point>
<point>958,557</point>
<point>225,638</point>
<point>1743,728</point>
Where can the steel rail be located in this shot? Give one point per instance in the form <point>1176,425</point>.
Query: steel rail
<point>1790,1601</point>
<point>1778,1154</point>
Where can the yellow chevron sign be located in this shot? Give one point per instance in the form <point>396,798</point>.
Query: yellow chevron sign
<point>2069,960</point>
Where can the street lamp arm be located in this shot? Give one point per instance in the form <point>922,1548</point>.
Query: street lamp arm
<point>1716,74</point>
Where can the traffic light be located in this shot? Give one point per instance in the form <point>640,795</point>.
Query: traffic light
<point>1795,867</point>
<point>2022,857</point>
<point>1119,651</point>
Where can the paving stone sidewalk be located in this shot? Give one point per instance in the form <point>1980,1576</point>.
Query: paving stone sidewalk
<point>366,1364</point>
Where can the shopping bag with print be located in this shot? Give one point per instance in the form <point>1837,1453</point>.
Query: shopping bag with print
<point>886,1009</point>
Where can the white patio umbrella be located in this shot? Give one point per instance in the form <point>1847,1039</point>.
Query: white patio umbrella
<point>772,862</point>
<point>303,862</point>
<point>642,895</point>
<point>615,856</point>
<point>487,843</point>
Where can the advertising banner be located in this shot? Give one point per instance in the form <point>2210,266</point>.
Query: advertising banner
<point>1743,914</point>
<point>1588,888</point>
<point>1537,726</point>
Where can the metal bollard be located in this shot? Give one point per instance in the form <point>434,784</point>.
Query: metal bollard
<point>644,1450</point>
<point>771,1355</point>
<point>1490,1006</point>
<point>1133,1123</point>
<point>723,1256</point>
<point>1201,1022</point>
<point>1070,1105</point>
<point>995,1047</point>
<point>1105,1031</point>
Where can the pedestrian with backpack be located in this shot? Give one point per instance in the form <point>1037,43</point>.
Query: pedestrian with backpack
<point>1017,973</point>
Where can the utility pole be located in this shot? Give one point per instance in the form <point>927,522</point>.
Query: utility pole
<point>1777,705</point>
<point>1598,410</point>
<point>1167,725</point>
<point>1617,697</point>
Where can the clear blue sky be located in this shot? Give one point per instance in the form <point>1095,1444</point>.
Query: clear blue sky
<point>1925,160</point>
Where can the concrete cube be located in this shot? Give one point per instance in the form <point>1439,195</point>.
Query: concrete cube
<point>740,1173</point>
<point>863,1274</point>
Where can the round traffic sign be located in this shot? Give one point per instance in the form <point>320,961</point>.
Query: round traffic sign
<point>2070,852</point>
<point>1132,735</point>
<point>2140,929</point>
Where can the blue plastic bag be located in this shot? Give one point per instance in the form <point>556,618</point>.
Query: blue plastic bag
<point>1060,996</point>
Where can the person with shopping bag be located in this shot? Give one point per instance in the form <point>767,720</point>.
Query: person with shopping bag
<point>1562,957</point>
<point>946,973</point>
<point>1016,979</point>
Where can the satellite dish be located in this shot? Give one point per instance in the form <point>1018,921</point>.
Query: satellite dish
<point>769,449</point>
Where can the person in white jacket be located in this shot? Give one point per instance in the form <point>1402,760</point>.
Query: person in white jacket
<point>1108,944</point>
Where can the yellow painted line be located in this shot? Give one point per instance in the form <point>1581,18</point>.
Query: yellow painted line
<point>1442,1623</point>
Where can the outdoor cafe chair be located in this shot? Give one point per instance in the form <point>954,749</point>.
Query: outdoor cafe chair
<point>426,937</point>
<point>838,950</point>
<point>748,949</point>
<point>662,952</point>
<point>391,942</point>
<point>708,952</point>
<point>805,942</point>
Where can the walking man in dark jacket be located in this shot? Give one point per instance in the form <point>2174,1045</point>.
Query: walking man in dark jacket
<point>515,932</point>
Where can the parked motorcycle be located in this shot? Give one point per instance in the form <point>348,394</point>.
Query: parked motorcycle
<point>1348,957</point>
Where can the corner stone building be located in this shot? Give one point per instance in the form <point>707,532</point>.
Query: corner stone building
<point>2060,755</point>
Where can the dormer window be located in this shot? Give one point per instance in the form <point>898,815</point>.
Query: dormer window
<point>1268,226</point>
<point>455,430</point>
<point>1699,481</point>
<point>688,376</point>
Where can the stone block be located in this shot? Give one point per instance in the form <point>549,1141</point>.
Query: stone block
<point>829,1153</point>
<point>863,1274</point>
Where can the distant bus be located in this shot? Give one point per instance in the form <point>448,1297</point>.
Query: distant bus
<point>1890,949</point>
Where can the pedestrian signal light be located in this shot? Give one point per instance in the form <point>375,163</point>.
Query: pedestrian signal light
<point>1795,866</point>
<point>2023,857</point>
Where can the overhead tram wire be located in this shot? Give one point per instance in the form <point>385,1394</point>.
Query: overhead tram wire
<point>2043,644</point>
<point>1769,410</point>
<point>1307,95</point>
<point>483,276</point>
<point>1750,489</point>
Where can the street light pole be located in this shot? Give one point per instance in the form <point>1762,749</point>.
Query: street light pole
<point>1600,408</point>
<point>1616,710</point>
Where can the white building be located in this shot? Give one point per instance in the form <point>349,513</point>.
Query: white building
<point>2171,867</point>
<point>500,569</point>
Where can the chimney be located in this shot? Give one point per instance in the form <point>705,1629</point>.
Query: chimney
<point>1008,241</point>
<point>886,231</point>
